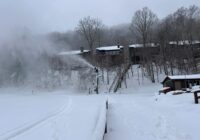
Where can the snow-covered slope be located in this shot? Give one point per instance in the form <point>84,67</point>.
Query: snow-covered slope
<point>52,117</point>
<point>135,113</point>
<point>148,117</point>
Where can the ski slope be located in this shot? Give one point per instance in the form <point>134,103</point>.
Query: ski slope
<point>52,117</point>
<point>139,115</point>
<point>149,117</point>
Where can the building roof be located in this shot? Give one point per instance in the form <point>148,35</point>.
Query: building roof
<point>141,45</point>
<point>183,77</point>
<point>73,52</point>
<point>184,42</point>
<point>109,48</point>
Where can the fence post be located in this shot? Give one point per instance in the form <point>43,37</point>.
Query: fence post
<point>196,97</point>
<point>106,129</point>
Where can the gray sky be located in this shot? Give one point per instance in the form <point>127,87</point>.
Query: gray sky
<point>63,15</point>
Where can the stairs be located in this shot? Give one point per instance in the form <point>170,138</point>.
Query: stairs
<point>119,78</point>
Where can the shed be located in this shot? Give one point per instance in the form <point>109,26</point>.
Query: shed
<point>178,82</point>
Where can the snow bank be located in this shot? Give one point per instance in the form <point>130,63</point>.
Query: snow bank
<point>101,123</point>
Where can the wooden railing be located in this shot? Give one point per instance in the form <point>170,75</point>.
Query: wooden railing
<point>121,77</point>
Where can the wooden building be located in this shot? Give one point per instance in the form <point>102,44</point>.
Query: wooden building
<point>138,52</point>
<point>109,56</point>
<point>179,82</point>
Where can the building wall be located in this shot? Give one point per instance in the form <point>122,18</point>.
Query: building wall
<point>109,60</point>
<point>178,85</point>
<point>137,54</point>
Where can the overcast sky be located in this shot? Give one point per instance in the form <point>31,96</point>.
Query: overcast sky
<point>63,15</point>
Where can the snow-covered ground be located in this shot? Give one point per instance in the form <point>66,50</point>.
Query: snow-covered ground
<point>51,117</point>
<point>136,112</point>
<point>149,117</point>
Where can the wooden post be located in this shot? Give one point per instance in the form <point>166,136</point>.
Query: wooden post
<point>106,129</point>
<point>196,97</point>
<point>107,104</point>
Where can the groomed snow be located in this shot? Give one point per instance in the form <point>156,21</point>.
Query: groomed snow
<point>135,113</point>
<point>51,117</point>
<point>150,117</point>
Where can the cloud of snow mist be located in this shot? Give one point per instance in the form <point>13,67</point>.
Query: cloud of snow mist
<point>26,55</point>
<point>24,58</point>
<point>29,60</point>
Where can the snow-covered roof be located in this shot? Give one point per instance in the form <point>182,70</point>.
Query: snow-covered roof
<point>136,45</point>
<point>181,77</point>
<point>141,45</point>
<point>109,48</point>
<point>184,42</point>
<point>74,52</point>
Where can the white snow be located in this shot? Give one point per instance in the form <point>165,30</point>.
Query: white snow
<point>51,117</point>
<point>134,113</point>
<point>142,114</point>
<point>165,88</point>
<point>150,117</point>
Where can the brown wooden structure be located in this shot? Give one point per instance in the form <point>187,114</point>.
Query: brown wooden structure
<point>109,56</point>
<point>179,82</point>
<point>138,52</point>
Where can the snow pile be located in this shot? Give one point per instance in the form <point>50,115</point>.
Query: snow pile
<point>99,130</point>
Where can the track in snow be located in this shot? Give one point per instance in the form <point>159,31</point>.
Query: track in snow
<point>82,117</point>
<point>26,127</point>
<point>131,119</point>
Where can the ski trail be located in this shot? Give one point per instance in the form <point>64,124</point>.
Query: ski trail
<point>136,120</point>
<point>26,127</point>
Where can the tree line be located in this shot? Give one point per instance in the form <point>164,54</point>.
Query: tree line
<point>181,27</point>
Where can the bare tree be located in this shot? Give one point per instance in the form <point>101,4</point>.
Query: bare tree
<point>90,29</point>
<point>143,23</point>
